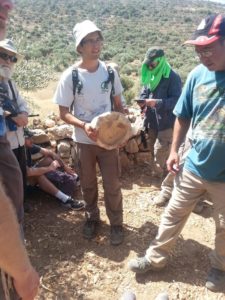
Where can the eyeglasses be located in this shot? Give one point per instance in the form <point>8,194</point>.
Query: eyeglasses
<point>6,57</point>
<point>206,53</point>
<point>92,42</point>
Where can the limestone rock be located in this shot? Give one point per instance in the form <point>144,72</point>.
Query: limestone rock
<point>132,146</point>
<point>124,160</point>
<point>63,147</point>
<point>36,122</point>
<point>49,123</point>
<point>64,155</point>
<point>36,156</point>
<point>40,137</point>
<point>62,131</point>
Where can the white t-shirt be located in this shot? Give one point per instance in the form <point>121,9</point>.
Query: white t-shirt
<point>93,99</point>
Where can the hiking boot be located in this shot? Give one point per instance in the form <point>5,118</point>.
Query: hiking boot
<point>141,265</point>
<point>116,235</point>
<point>160,200</point>
<point>90,229</point>
<point>73,204</point>
<point>216,280</point>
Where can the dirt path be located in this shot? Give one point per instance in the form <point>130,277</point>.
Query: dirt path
<point>74,268</point>
<point>40,101</point>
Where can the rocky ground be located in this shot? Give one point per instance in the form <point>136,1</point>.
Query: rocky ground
<point>74,268</point>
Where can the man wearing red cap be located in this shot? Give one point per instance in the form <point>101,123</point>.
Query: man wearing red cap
<point>201,104</point>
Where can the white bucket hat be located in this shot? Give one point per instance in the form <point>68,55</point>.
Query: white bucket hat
<point>114,129</point>
<point>8,45</point>
<point>82,29</point>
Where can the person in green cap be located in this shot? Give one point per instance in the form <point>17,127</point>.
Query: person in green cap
<point>161,90</point>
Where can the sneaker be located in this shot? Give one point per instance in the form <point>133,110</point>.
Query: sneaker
<point>162,296</point>
<point>216,280</point>
<point>141,265</point>
<point>160,200</point>
<point>73,204</point>
<point>116,235</point>
<point>90,229</point>
<point>128,295</point>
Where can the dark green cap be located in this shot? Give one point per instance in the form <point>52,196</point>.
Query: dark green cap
<point>151,54</point>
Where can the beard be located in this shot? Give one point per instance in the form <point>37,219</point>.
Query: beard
<point>5,71</point>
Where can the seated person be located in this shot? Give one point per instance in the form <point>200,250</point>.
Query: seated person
<point>51,174</point>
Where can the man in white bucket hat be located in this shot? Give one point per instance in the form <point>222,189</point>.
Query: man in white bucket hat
<point>91,99</point>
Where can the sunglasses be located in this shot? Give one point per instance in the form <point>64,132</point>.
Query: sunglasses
<point>6,57</point>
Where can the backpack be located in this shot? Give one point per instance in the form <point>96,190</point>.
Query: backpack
<point>78,85</point>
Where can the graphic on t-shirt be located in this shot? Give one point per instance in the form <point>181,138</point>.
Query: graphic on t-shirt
<point>211,107</point>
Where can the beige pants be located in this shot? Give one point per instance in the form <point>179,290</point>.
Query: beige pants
<point>160,144</point>
<point>188,189</point>
<point>168,182</point>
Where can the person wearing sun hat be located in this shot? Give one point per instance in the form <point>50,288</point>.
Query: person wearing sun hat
<point>201,105</point>
<point>91,100</point>
<point>161,90</point>
<point>16,111</point>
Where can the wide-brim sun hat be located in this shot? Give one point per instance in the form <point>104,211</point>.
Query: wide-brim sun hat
<point>81,30</point>
<point>8,45</point>
<point>113,128</point>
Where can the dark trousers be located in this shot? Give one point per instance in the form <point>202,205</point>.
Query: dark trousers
<point>11,177</point>
<point>20,154</point>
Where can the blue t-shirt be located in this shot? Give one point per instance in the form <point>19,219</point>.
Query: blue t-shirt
<point>203,101</point>
<point>2,126</point>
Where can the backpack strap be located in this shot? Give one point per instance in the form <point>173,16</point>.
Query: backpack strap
<point>77,85</point>
<point>111,80</point>
<point>13,94</point>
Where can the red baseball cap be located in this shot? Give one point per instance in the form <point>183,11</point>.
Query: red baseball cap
<point>209,30</point>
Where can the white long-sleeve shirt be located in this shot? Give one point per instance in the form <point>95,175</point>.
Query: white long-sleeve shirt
<point>16,138</point>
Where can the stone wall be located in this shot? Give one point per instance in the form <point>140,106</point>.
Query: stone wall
<point>53,132</point>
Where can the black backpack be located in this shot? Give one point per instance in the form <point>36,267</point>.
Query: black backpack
<point>78,85</point>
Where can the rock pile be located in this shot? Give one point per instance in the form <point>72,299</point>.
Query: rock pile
<point>55,133</point>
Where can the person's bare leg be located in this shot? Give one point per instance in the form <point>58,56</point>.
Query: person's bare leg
<point>46,185</point>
